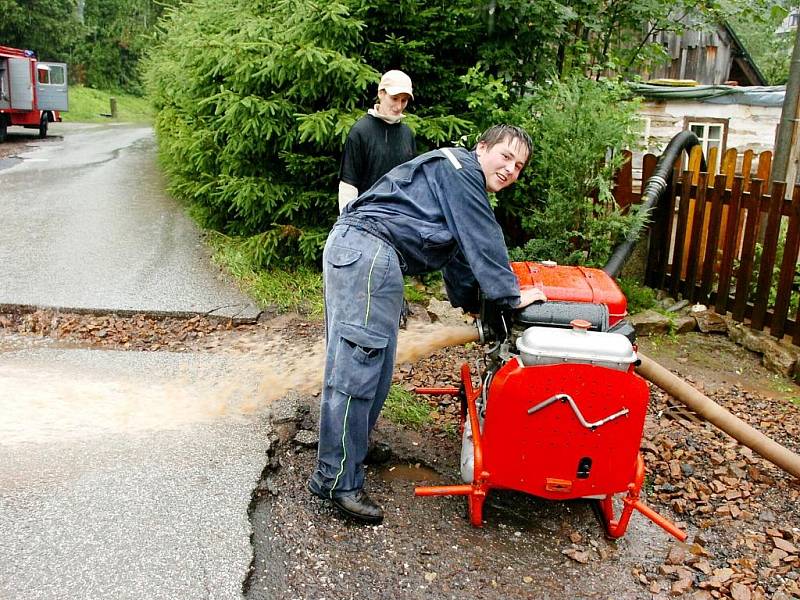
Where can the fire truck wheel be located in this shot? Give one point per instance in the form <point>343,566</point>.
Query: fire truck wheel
<point>43,126</point>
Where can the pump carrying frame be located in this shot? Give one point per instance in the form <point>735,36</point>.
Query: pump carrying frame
<point>477,491</point>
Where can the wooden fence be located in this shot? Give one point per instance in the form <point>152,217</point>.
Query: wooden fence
<point>725,240</point>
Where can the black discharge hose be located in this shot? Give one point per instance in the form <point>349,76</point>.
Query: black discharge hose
<point>653,191</point>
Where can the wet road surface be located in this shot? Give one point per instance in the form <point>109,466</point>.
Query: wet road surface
<point>87,225</point>
<point>122,474</point>
<point>125,474</point>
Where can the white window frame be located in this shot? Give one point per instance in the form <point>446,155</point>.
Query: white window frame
<point>705,125</point>
<point>50,70</point>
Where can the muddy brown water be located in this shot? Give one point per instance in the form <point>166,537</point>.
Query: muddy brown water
<point>415,473</point>
<point>50,401</point>
<point>302,370</point>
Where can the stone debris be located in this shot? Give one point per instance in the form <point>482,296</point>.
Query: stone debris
<point>729,495</point>
<point>650,322</point>
<point>580,556</point>
<point>308,439</point>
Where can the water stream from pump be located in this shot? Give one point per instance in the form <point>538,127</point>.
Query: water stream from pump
<point>74,394</point>
<point>302,371</point>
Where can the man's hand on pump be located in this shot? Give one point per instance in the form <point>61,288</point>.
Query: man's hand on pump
<point>530,295</point>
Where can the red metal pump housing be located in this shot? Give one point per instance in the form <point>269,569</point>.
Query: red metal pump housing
<point>559,411</point>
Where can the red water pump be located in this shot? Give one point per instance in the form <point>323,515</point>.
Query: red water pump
<point>559,410</point>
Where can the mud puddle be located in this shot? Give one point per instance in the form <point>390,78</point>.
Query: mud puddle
<point>409,473</point>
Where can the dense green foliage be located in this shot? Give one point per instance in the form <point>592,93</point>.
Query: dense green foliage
<point>101,40</point>
<point>116,34</point>
<point>48,27</point>
<point>254,104</point>
<point>564,205</point>
<point>757,26</point>
<point>639,297</point>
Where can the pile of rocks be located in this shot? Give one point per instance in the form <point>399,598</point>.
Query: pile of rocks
<point>740,509</point>
<point>682,317</point>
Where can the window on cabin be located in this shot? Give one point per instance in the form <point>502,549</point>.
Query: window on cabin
<point>57,75</point>
<point>51,74</point>
<point>711,135</point>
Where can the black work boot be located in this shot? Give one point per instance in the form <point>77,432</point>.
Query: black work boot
<point>314,488</point>
<point>357,505</point>
<point>378,453</point>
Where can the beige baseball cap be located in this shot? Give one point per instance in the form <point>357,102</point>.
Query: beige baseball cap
<point>396,82</point>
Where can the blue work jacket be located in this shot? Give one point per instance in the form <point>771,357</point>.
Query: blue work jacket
<point>434,210</point>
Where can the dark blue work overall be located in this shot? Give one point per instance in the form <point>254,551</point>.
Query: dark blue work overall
<point>430,213</point>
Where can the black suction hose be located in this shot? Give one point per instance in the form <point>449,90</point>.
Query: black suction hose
<point>653,191</point>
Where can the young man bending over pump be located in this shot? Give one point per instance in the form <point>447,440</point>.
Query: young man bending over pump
<point>430,213</point>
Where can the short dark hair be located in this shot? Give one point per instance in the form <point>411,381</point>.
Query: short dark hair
<point>499,133</point>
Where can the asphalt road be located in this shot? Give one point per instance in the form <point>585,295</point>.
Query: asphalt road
<point>125,474</point>
<point>122,474</point>
<point>87,225</point>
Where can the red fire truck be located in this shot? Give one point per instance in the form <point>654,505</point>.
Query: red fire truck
<point>32,93</point>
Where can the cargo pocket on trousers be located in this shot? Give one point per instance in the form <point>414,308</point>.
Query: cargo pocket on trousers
<point>358,363</point>
<point>342,256</point>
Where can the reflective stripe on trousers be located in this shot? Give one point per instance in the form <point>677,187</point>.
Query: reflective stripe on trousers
<point>363,299</point>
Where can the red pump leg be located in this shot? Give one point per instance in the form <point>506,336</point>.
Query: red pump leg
<point>616,528</point>
<point>476,491</point>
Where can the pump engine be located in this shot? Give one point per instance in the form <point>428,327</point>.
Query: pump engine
<point>559,411</point>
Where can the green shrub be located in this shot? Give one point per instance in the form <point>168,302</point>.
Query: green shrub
<point>564,204</point>
<point>254,102</point>
<point>639,297</point>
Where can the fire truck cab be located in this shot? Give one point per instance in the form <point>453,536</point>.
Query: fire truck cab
<point>32,93</point>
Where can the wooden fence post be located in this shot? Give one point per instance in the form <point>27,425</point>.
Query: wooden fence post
<point>788,267</point>
<point>769,249</point>
<point>695,254</point>
<point>676,273</point>
<point>745,272</point>
<point>729,247</point>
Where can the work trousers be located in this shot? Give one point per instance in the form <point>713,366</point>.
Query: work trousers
<point>363,299</point>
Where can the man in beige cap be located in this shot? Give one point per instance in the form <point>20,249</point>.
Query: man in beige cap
<point>379,141</point>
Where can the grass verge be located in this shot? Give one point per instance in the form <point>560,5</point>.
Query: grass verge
<point>87,105</point>
<point>297,290</point>
<point>405,408</point>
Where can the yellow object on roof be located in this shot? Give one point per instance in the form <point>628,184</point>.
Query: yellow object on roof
<point>674,82</point>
